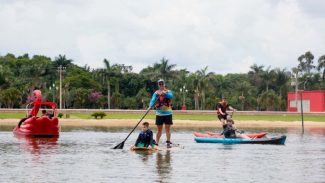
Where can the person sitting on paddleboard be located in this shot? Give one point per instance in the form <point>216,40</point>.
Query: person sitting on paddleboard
<point>145,138</point>
<point>221,108</point>
<point>230,130</point>
<point>162,101</point>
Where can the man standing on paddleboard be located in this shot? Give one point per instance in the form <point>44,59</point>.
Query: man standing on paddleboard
<point>221,108</point>
<point>162,101</point>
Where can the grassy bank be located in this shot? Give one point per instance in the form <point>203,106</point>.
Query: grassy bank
<point>205,117</point>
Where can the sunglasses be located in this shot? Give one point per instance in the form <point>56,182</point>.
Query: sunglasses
<point>160,84</point>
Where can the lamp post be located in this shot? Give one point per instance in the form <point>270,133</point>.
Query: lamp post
<point>60,70</point>
<point>301,102</point>
<point>184,91</point>
<point>52,88</point>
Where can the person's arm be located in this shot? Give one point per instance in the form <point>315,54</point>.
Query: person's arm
<point>169,94</point>
<point>153,100</point>
<point>138,140</point>
<point>221,111</point>
<point>231,108</point>
<point>151,138</point>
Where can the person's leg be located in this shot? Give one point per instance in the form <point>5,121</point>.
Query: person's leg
<point>159,131</point>
<point>159,124</point>
<point>168,133</point>
<point>243,136</point>
<point>168,123</point>
<point>222,119</point>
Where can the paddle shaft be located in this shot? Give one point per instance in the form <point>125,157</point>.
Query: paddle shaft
<point>140,120</point>
<point>232,114</point>
<point>137,124</point>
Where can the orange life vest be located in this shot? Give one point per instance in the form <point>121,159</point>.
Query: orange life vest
<point>163,101</point>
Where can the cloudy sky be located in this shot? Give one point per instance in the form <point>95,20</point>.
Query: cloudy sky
<point>228,36</point>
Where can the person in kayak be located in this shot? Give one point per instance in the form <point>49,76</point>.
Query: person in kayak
<point>145,138</point>
<point>162,101</point>
<point>221,108</point>
<point>230,130</point>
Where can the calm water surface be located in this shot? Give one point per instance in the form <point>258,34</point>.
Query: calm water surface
<point>85,156</point>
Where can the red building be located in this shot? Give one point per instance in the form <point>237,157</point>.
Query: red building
<point>313,101</point>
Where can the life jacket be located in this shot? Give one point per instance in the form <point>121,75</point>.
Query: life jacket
<point>144,139</point>
<point>222,106</point>
<point>163,101</point>
<point>229,131</point>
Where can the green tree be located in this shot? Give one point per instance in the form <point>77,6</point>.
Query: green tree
<point>268,100</point>
<point>161,70</point>
<point>203,84</point>
<point>255,75</point>
<point>61,60</point>
<point>10,97</point>
<point>143,98</point>
<point>81,97</point>
<point>306,62</point>
<point>268,76</point>
<point>321,66</point>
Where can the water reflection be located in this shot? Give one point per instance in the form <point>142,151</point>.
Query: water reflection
<point>163,165</point>
<point>145,155</point>
<point>37,146</point>
<point>317,131</point>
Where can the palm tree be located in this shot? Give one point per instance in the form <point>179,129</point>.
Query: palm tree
<point>220,85</point>
<point>107,75</point>
<point>282,76</point>
<point>163,70</point>
<point>268,100</point>
<point>11,96</point>
<point>321,65</point>
<point>255,75</point>
<point>203,84</point>
<point>244,87</point>
<point>111,74</point>
<point>268,77</point>
<point>61,60</point>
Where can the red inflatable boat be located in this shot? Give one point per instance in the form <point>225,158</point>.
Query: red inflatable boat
<point>216,135</point>
<point>46,125</point>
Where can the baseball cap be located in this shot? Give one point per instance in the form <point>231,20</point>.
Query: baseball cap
<point>161,81</point>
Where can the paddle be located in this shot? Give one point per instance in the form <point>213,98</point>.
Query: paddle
<point>121,145</point>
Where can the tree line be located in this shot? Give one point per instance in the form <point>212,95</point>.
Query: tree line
<point>116,86</point>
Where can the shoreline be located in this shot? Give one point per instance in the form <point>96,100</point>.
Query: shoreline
<point>177,123</point>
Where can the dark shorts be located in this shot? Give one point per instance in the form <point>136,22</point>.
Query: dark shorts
<point>168,120</point>
<point>222,116</point>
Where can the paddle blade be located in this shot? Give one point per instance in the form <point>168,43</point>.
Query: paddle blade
<point>119,146</point>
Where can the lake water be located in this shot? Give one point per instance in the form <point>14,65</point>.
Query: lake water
<point>86,156</point>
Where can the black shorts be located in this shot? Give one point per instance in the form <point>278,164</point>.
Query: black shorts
<point>220,116</point>
<point>168,120</point>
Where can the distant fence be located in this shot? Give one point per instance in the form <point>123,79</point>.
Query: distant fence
<point>198,112</point>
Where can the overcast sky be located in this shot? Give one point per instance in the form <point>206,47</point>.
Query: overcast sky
<point>228,36</point>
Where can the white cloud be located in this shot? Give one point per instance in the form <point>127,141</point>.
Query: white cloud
<point>226,35</point>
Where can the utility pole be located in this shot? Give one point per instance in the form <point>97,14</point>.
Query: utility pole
<point>60,70</point>
<point>108,95</point>
<point>184,91</point>
<point>297,91</point>
<point>302,112</point>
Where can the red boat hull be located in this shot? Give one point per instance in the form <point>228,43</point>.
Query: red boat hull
<point>215,135</point>
<point>38,127</point>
